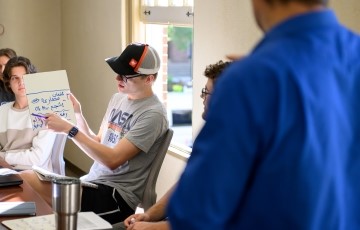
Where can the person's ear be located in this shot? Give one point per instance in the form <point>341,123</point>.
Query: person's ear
<point>150,79</point>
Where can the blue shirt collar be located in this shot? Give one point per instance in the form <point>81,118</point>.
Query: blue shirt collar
<point>302,23</point>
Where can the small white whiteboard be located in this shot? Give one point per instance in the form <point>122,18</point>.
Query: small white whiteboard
<point>48,92</point>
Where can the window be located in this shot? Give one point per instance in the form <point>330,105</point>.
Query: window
<point>167,25</point>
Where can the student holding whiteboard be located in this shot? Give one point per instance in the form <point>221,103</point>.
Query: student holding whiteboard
<point>128,139</point>
<point>20,144</point>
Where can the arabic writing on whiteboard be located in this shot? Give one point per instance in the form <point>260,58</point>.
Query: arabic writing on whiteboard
<point>49,102</point>
<point>48,92</point>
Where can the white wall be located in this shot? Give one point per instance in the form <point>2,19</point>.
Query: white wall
<point>91,32</point>
<point>221,27</point>
<point>170,172</point>
<point>33,30</point>
<point>348,12</point>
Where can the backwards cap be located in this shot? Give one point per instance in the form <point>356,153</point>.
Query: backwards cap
<point>137,58</point>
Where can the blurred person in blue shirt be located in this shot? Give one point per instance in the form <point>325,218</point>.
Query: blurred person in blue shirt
<point>280,148</point>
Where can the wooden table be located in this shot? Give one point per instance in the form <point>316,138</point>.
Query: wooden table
<point>23,192</point>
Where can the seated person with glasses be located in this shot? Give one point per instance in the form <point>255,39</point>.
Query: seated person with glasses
<point>148,220</point>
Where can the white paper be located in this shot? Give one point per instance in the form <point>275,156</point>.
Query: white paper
<point>48,92</point>
<point>7,171</point>
<point>86,221</point>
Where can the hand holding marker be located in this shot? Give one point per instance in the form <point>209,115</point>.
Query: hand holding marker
<point>39,115</point>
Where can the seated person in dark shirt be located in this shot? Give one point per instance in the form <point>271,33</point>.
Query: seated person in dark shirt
<point>5,95</point>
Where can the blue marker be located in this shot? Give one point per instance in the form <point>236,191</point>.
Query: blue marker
<point>39,115</point>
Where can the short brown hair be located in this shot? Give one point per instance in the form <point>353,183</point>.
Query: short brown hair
<point>14,62</point>
<point>10,53</point>
<point>213,71</point>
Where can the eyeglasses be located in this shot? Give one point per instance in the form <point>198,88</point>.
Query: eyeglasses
<point>204,92</point>
<point>125,78</point>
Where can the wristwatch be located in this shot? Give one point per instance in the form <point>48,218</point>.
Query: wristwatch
<point>73,131</point>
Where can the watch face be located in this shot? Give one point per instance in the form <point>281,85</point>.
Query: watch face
<point>73,131</point>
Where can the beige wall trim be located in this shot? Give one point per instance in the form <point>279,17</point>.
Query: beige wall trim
<point>180,152</point>
<point>131,21</point>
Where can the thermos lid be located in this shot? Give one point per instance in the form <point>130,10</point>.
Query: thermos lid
<point>68,180</point>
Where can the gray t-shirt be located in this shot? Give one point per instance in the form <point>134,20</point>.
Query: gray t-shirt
<point>142,122</point>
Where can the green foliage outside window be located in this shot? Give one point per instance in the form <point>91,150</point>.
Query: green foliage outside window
<point>180,36</point>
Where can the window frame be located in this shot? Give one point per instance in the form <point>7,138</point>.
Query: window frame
<point>153,13</point>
